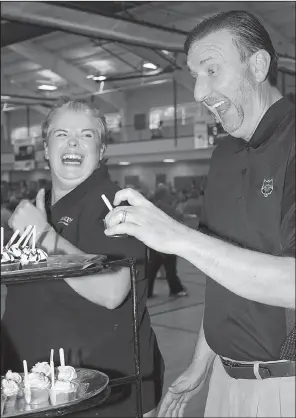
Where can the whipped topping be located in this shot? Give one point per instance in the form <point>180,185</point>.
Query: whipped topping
<point>16,251</point>
<point>43,256</point>
<point>66,373</point>
<point>7,257</point>
<point>62,386</point>
<point>13,376</point>
<point>42,367</point>
<point>38,380</point>
<point>10,387</point>
<point>32,256</point>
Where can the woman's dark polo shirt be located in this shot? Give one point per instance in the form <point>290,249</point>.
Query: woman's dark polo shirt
<point>49,315</point>
<point>250,201</point>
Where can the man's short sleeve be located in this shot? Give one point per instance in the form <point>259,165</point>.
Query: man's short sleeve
<point>287,232</point>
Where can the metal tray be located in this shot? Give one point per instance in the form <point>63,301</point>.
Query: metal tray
<point>57,265</point>
<point>90,383</point>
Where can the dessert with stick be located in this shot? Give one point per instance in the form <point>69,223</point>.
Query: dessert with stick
<point>37,384</point>
<point>8,262</point>
<point>65,373</point>
<point>63,390</point>
<point>10,389</point>
<point>20,254</point>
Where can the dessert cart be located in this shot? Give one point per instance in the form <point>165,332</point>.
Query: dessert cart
<point>62,267</point>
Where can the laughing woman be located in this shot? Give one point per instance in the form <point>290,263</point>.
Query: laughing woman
<point>90,317</point>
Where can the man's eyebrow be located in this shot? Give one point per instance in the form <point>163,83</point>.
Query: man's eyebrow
<point>88,129</point>
<point>205,60</point>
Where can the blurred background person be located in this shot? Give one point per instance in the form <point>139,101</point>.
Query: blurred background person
<point>163,199</point>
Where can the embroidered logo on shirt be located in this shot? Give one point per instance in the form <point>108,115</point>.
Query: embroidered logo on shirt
<point>66,220</point>
<point>267,187</point>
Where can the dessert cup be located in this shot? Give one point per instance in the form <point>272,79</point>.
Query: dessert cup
<point>39,395</point>
<point>3,400</point>
<point>59,396</point>
<point>10,401</point>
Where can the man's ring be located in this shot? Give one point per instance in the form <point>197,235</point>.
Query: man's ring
<point>124,213</point>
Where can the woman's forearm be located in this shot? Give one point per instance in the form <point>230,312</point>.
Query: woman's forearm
<point>105,289</point>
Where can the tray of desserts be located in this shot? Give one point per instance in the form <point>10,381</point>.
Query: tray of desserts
<point>21,258</point>
<point>48,388</point>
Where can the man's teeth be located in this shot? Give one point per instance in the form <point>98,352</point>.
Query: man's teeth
<point>218,104</point>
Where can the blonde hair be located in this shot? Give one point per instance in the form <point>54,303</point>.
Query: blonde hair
<point>76,105</point>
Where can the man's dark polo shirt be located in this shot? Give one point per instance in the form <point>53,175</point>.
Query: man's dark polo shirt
<point>250,202</point>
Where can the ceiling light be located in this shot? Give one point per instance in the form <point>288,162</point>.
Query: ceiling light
<point>164,51</point>
<point>169,160</point>
<point>5,97</point>
<point>150,65</point>
<point>47,87</point>
<point>90,76</point>
<point>124,163</point>
<point>99,78</point>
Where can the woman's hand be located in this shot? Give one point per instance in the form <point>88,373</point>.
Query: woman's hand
<point>145,222</point>
<point>27,214</point>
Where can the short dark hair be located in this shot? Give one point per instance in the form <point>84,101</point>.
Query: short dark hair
<point>249,35</point>
<point>77,105</point>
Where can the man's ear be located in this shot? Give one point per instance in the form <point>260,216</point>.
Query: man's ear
<point>45,150</point>
<point>260,62</point>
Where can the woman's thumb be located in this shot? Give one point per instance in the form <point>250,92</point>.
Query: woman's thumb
<point>40,200</point>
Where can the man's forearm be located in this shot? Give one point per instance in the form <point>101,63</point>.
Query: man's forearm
<point>203,354</point>
<point>108,289</point>
<point>255,276</point>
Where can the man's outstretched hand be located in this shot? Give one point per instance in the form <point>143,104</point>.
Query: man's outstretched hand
<point>145,222</point>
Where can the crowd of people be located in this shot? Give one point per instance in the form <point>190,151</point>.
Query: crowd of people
<point>184,201</point>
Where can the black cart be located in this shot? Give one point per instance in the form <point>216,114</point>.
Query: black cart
<point>97,265</point>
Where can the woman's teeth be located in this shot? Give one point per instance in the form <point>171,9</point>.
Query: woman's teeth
<point>72,159</point>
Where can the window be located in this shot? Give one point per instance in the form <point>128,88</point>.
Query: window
<point>22,133</point>
<point>113,121</point>
<point>186,112</point>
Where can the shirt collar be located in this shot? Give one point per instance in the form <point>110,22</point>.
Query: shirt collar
<point>268,124</point>
<point>93,182</point>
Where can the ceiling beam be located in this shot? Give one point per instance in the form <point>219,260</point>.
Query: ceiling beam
<point>13,32</point>
<point>149,55</point>
<point>69,72</point>
<point>9,90</point>
<point>99,27</point>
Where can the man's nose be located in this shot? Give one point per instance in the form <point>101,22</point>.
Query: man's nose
<point>202,89</point>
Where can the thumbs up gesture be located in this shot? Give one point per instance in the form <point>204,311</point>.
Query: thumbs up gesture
<point>27,214</point>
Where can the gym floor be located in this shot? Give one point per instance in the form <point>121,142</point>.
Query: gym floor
<point>176,323</point>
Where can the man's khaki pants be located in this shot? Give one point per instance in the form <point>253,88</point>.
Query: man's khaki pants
<point>229,397</point>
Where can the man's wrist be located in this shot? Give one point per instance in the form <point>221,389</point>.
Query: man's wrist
<point>186,241</point>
